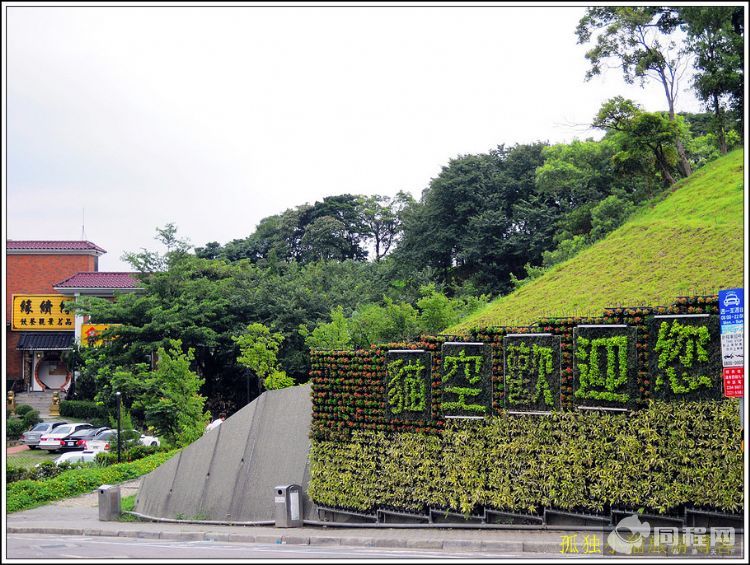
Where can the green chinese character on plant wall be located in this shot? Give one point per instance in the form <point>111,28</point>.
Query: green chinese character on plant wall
<point>468,367</point>
<point>592,382</point>
<point>686,344</point>
<point>523,362</point>
<point>406,387</point>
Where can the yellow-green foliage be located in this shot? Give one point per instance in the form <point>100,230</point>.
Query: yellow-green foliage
<point>25,494</point>
<point>657,459</point>
<point>690,241</point>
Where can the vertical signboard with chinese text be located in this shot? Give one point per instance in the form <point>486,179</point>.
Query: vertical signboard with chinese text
<point>732,318</point>
<point>466,380</point>
<point>408,385</point>
<point>531,372</point>
<point>605,371</point>
<point>684,360</point>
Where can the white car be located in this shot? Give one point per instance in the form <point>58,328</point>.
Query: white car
<point>76,457</point>
<point>107,440</point>
<point>55,440</point>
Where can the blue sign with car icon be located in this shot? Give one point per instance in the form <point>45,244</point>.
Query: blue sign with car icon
<point>731,310</point>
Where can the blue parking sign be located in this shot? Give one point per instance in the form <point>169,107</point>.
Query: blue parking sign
<point>731,310</point>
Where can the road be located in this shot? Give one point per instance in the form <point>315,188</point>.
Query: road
<point>37,547</point>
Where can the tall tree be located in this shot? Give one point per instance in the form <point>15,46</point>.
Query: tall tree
<point>640,131</point>
<point>637,37</point>
<point>718,47</point>
<point>383,217</point>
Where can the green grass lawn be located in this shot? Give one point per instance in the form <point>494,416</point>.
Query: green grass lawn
<point>690,242</point>
<point>30,457</point>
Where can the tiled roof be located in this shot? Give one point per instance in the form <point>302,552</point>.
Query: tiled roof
<point>26,245</point>
<point>46,340</point>
<point>101,280</point>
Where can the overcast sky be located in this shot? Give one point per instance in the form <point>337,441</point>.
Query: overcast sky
<point>214,118</point>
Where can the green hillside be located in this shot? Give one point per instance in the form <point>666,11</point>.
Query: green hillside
<point>689,242</point>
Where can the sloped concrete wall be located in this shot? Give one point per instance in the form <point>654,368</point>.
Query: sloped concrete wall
<point>230,473</point>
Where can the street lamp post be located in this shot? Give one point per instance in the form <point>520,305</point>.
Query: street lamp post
<point>119,423</point>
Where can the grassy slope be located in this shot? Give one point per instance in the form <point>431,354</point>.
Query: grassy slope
<point>691,241</point>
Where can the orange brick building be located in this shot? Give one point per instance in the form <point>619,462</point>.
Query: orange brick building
<point>40,276</point>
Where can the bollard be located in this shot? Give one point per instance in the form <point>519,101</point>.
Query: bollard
<point>109,503</point>
<point>288,506</point>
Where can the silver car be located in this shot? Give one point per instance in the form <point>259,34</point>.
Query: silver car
<point>32,437</point>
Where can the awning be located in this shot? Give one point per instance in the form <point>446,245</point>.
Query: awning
<point>45,341</point>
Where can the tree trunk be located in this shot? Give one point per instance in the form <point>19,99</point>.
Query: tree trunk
<point>661,161</point>
<point>684,164</point>
<point>719,126</point>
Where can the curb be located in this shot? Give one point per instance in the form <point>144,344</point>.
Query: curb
<point>454,545</point>
<point>320,541</point>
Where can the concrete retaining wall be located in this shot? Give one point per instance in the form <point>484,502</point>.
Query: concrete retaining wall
<point>230,473</point>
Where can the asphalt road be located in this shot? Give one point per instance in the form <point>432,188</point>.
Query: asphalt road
<point>37,547</point>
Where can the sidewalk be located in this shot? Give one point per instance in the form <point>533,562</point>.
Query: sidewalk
<point>80,516</point>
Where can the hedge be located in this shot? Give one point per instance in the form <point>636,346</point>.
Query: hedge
<point>82,410</point>
<point>26,494</point>
<point>659,459</point>
<point>15,427</point>
<point>21,409</point>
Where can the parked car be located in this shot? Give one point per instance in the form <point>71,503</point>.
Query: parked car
<point>76,457</point>
<point>107,440</point>
<point>55,440</point>
<point>32,437</point>
<point>77,440</point>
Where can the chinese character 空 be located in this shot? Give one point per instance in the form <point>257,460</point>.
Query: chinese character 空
<point>470,368</point>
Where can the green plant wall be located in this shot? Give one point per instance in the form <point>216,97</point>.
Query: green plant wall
<point>658,459</point>
<point>667,452</point>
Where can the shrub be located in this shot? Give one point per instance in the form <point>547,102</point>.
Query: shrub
<point>82,410</point>
<point>31,418</point>
<point>22,409</point>
<point>27,493</point>
<point>13,473</point>
<point>15,427</point>
<point>133,453</point>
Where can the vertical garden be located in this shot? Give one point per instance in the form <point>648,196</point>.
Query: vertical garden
<point>622,412</point>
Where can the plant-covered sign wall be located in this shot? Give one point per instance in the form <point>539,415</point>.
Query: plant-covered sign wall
<point>388,428</point>
<point>408,385</point>
<point>684,361</point>
<point>466,380</point>
<point>532,371</point>
<point>605,372</point>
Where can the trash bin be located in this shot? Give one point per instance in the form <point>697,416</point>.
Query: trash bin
<point>288,506</point>
<point>109,503</point>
